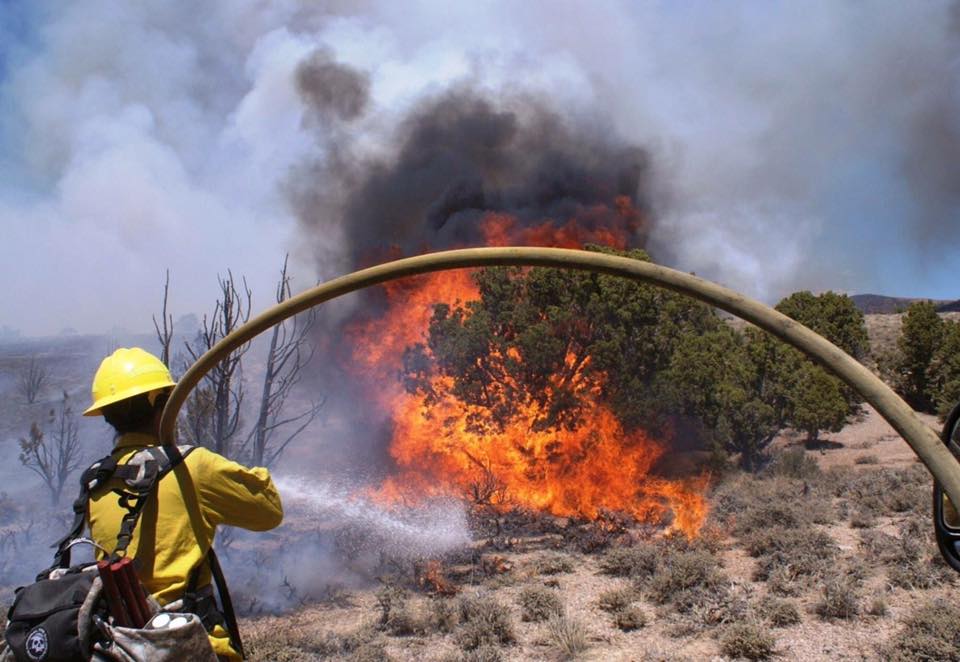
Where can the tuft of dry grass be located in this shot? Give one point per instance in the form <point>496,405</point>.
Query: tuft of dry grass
<point>781,613</point>
<point>793,463</point>
<point>790,555</point>
<point>444,615</point>
<point>538,603</point>
<point>630,618</point>
<point>751,641</point>
<point>568,636</point>
<point>840,598</point>
<point>929,633</point>
<point>616,599</point>
<point>302,645</point>
<point>553,564</point>
<point>877,606</point>
<point>486,622</point>
<point>636,561</point>
<point>681,572</point>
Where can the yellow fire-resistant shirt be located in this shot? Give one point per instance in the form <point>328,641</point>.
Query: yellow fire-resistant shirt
<point>179,520</point>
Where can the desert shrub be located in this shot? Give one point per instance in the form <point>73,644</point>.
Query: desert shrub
<point>781,613</point>
<point>781,513</point>
<point>929,633</point>
<point>801,553</point>
<point>839,598</point>
<point>636,561</point>
<point>793,463</point>
<point>877,606</point>
<point>538,603</point>
<point>870,458</point>
<point>914,562</point>
<point>486,622</point>
<point>443,615</point>
<point>683,571</point>
<point>879,546</point>
<point>372,651</point>
<point>616,599</point>
<point>748,640</point>
<point>920,572</point>
<point>553,564</point>
<point>863,518</point>
<point>716,605</point>
<point>482,654</point>
<point>888,490</point>
<point>783,581</point>
<point>396,617</point>
<point>568,635</point>
<point>298,645</point>
<point>630,618</point>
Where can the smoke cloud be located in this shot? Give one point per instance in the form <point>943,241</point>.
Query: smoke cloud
<point>774,148</point>
<point>459,156</point>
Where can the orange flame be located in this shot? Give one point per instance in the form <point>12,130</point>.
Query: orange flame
<point>583,472</point>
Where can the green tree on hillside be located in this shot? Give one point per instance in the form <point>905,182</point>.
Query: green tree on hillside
<point>944,371</point>
<point>712,379</point>
<point>804,395</point>
<point>921,338</point>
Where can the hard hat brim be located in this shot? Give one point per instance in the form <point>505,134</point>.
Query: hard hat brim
<point>95,408</point>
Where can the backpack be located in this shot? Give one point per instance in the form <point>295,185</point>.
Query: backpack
<point>63,616</point>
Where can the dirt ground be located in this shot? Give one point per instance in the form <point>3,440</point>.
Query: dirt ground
<point>867,445</point>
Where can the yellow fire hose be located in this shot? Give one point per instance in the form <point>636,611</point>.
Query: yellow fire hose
<point>904,420</point>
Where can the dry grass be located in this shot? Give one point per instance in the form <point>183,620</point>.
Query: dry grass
<point>839,599</point>
<point>616,599</point>
<point>780,613</point>
<point>630,618</point>
<point>568,636</point>
<point>930,633</point>
<point>751,641</point>
<point>486,622</point>
<point>539,603</point>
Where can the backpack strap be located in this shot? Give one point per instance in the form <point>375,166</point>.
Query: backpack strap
<point>94,476</point>
<point>139,475</point>
<point>226,616</point>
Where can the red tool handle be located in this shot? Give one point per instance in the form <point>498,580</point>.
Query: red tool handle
<point>114,600</point>
<point>126,578</point>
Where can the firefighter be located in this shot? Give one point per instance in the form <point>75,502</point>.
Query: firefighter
<point>179,523</point>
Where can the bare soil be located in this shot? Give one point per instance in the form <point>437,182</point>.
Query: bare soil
<point>664,636</point>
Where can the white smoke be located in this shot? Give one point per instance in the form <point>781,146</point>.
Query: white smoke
<point>806,145</point>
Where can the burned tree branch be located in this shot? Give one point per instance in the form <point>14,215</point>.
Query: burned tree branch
<point>289,352</point>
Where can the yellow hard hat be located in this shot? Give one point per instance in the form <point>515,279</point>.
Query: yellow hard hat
<point>124,374</point>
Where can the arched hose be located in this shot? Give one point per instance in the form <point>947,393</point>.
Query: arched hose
<point>904,420</point>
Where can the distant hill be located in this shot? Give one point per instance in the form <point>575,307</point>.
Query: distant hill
<point>877,304</point>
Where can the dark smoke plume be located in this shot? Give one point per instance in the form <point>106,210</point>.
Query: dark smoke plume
<point>331,90</point>
<point>460,156</point>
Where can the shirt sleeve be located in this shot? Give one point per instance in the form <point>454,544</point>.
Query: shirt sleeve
<point>235,495</point>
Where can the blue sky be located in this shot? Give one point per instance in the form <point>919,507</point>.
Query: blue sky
<point>794,146</point>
